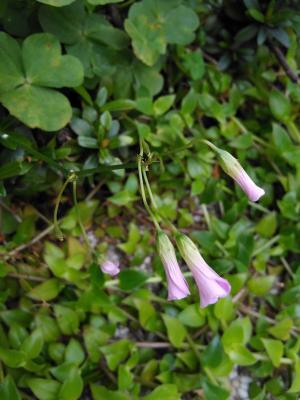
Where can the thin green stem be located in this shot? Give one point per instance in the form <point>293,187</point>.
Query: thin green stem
<point>147,207</point>
<point>239,124</point>
<point>153,203</point>
<point>211,145</point>
<point>86,239</point>
<point>266,245</point>
<point>57,229</point>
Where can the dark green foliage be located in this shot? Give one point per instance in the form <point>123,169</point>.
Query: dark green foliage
<point>81,84</point>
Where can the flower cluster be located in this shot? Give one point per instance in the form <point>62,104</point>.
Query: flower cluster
<point>211,286</point>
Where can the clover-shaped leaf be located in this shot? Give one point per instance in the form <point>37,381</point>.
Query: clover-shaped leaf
<point>101,48</point>
<point>153,24</point>
<point>82,32</point>
<point>28,75</point>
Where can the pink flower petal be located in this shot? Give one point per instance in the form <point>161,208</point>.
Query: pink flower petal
<point>177,285</point>
<point>111,268</point>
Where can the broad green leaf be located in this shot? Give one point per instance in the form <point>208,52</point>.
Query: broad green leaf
<point>274,349</point>
<point>240,355</point>
<point>72,386</point>
<point>175,329</point>
<point>47,290</point>
<point>44,389</point>
<point>165,392</point>
<point>192,316</point>
<point>295,386</point>
<point>13,168</point>
<point>102,393</point>
<point>8,389</point>
<point>12,358</point>
<point>267,225</point>
<point>116,353</point>
<point>10,63</point>
<point>67,319</point>
<point>33,344</point>
<point>38,107</point>
<point>213,392</point>
<point>213,353</point>
<point>43,67</point>
<point>280,106</point>
<point>152,25</point>
<point>131,279</point>
<point>74,352</point>
<point>163,104</point>
<point>261,285</point>
<point>282,329</point>
<point>56,3</point>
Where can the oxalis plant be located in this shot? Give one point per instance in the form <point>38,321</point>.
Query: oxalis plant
<point>211,286</point>
<point>118,200</point>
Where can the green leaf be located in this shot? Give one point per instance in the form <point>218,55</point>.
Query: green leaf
<point>175,329</point>
<point>44,389</point>
<point>72,386</point>
<point>47,290</point>
<point>152,25</point>
<point>194,64</point>
<point>10,63</point>
<point>280,106</point>
<point>274,349</point>
<point>13,168</point>
<point>90,37</point>
<point>74,352</point>
<point>282,329</point>
<point>43,67</point>
<point>240,355</point>
<point>213,392</point>
<point>56,3</point>
<point>131,279</point>
<point>67,319</point>
<point>295,386</point>
<point>116,353</point>
<point>8,389</point>
<point>192,316</point>
<point>163,104</point>
<point>102,393</point>
<point>165,392</point>
<point>12,358</point>
<point>38,107</point>
<point>213,353</point>
<point>41,50</point>
<point>261,285</point>
<point>267,225</point>
<point>33,344</point>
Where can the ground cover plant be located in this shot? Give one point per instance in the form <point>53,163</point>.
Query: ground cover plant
<point>140,142</point>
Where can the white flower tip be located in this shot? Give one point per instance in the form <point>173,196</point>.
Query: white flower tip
<point>256,194</point>
<point>178,292</point>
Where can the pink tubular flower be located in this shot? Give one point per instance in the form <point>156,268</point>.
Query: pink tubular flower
<point>111,268</point>
<point>211,286</point>
<point>177,286</point>
<point>234,169</point>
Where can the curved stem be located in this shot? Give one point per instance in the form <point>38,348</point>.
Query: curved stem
<point>142,188</point>
<point>153,202</point>
<point>86,239</point>
<point>57,230</point>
